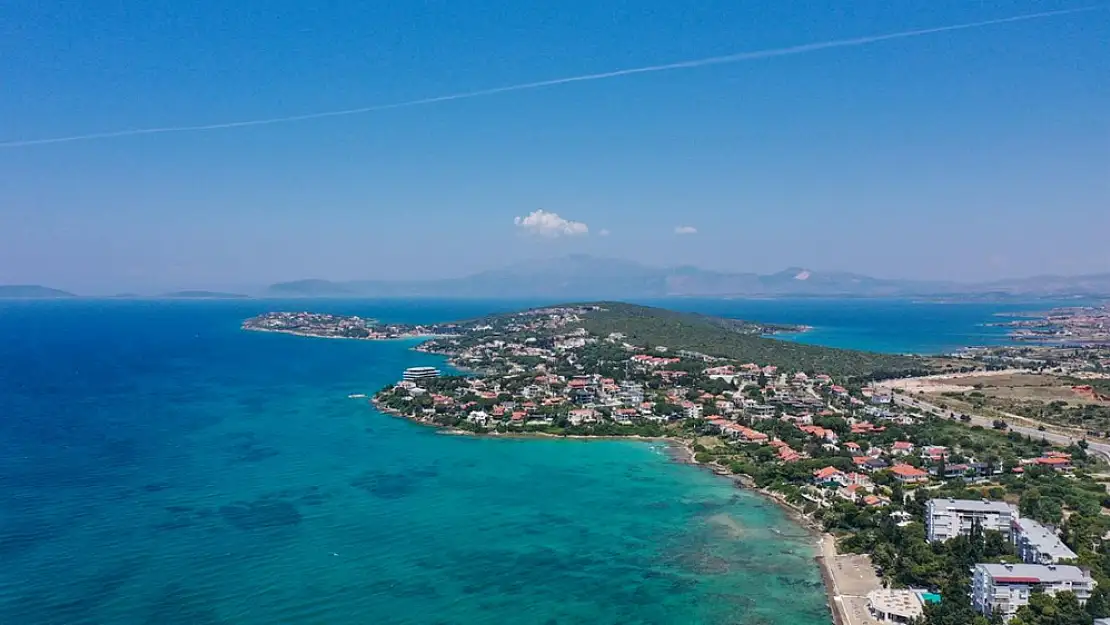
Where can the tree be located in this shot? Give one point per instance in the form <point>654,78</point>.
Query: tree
<point>898,494</point>
<point>1098,606</point>
<point>1060,609</point>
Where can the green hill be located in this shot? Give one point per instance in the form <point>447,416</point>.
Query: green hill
<point>714,336</point>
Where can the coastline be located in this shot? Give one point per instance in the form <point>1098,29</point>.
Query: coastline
<point>406,337</point>
<point>681,451</point>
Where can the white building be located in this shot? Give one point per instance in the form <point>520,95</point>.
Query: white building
<point>1003,588</point>
<point>631,394</point>
<point>1036,544</point>
<point>890,605</point>
<point>420,373</point>
<point>759,411</point>
<point>479,417</point>
<point>948,518</point>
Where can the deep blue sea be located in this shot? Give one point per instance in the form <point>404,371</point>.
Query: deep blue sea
<point>160,466</point>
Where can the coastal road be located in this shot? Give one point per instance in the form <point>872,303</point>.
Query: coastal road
<point>1100,449</point>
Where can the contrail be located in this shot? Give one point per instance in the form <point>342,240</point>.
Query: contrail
<point>713,60</point>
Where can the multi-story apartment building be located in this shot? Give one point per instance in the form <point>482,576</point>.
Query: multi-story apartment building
<point>1003,588</point>
<point>948,518</point>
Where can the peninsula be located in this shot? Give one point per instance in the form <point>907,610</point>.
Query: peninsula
<point>872,468</point>
<point>345,326</point>
<point>1078,325</point>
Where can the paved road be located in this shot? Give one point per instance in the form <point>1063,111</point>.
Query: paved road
<point>1101,449</point>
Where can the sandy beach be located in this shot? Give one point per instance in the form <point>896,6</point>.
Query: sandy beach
<point>848,578</point>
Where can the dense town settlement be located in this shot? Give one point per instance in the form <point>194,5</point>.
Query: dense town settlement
<point>930,514</point>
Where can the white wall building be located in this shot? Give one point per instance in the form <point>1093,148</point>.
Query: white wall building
<point>759,411</point>
<point>1003,588</point>
<point>1036,544</point>
<point>890,605</point>
<point>948,518</point>
<point>413,374</point>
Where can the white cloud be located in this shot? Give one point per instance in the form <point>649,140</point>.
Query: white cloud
<point>685,230</point>
<point>604,232</point>
<point>545,224</point>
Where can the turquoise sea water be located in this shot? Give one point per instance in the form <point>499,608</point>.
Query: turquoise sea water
<point>160,466</point>
<point>881,325</point>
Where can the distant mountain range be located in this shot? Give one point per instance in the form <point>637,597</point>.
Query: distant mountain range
<point>590,277</point>
<point>582,277</point>
<point>31,291</point>
<point>34,291</point>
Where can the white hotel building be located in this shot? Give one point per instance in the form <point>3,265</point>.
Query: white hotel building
<point>1003,588</point>
<point>948,518</point>
<point>414,374</point>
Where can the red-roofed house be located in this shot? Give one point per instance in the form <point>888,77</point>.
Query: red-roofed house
<point>907,474</point>
<point>829,476</point>
<point>786,454</point>
<point>625,415</point>
<point>582,415</point>
<point>936,453</point>
<point>1059,464</point>
<point>901,448</point>
<point>866,427</point>
<point>751,436</point>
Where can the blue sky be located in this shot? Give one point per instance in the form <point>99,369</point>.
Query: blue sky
<point>970,154</point>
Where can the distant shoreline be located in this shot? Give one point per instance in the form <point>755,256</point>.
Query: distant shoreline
<point>346,338</point>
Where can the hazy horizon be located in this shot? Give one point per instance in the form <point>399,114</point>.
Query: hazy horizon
<point>257,288</point>
<point>833,141</point>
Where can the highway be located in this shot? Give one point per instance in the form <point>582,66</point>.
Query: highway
<point>1101,449</point>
